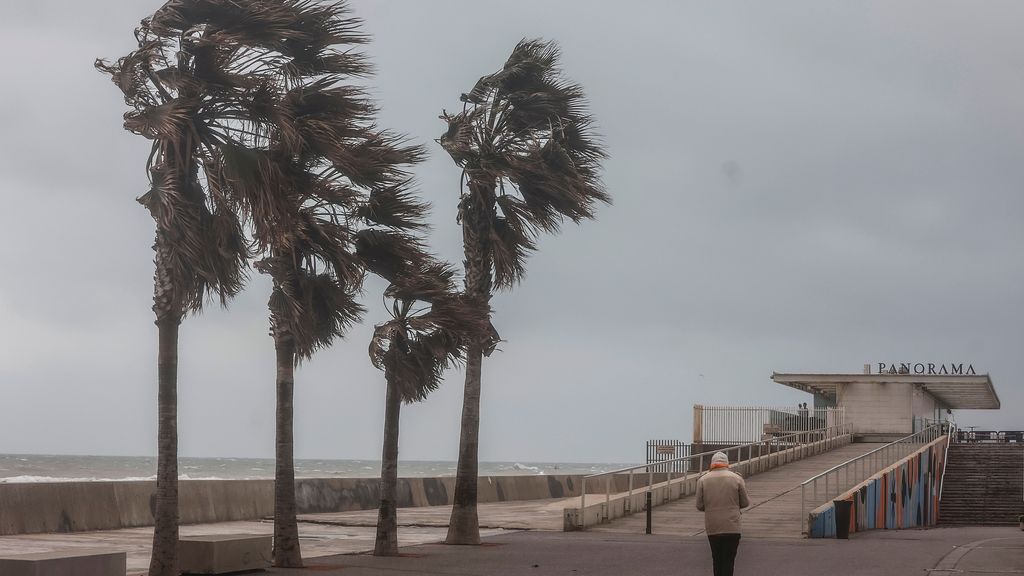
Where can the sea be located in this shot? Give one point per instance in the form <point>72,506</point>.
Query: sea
<point>22,468</point>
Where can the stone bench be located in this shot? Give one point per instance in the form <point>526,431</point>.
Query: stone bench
<point>64,562</point>
<point>223,553</point>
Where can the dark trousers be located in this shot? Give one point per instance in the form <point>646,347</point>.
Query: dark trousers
<point>723,552</point>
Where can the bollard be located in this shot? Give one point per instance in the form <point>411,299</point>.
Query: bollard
<point>648,511</point>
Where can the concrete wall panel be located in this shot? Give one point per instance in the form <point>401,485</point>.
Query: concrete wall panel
<point>79,506</point>
<point>877,408</point>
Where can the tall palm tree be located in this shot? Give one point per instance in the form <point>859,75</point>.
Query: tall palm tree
<point>317,268</point>
<point>529,161</point>
<point>413,349</point>
<point>202,86</point>
<point>338,187</point>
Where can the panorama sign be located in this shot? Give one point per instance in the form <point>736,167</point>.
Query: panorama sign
<point>929,368</point>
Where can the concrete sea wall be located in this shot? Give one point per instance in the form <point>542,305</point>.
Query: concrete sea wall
<point>904,495</point>
<point>80,506</point>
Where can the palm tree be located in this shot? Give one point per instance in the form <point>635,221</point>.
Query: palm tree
<point>317,269</point>
<point>529,161</point>
<point>202,85</point>
<point>413,349</point>
<point>338,185</point>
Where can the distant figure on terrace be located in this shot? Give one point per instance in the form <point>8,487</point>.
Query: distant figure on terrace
<point>720,495</point>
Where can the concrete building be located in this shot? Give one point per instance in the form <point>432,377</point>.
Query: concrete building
<point>895,400</point>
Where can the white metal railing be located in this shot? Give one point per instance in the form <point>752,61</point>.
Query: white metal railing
<point>842,477</point>
<point>724,425</point>
<point>945,464</point>
<point>783,449</point>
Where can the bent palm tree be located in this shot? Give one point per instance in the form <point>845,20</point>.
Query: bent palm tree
<point>337,185</point>
<point>317,270</point>
<point>196,85</point>
<point>205,85</point>
<point>529,160</point>
<point>413,349</point>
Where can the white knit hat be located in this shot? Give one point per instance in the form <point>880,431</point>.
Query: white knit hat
<point>719,458</point>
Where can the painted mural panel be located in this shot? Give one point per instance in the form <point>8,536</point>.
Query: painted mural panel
<point>903,496</point>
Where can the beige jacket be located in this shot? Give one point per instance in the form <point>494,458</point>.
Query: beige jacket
<point>720,495</point>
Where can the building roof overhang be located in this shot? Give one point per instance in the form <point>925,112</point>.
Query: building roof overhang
<point>973,392</point>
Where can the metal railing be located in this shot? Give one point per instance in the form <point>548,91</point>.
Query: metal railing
<point>988,436</point>
<point>842,477</point>
<point>952,433</point>
<point>659,451</point>
<point>725,425</point>
<point>783,449</point>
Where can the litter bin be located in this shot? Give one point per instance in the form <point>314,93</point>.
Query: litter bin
<point>842,508</point>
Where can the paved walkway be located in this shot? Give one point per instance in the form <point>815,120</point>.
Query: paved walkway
<point>774,501</point>
<point>320,534</point>
<point>938,552</point>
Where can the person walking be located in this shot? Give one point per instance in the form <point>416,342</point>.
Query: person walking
<point>720,495</point>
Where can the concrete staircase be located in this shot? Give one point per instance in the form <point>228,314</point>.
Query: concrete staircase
<point>984,485</point>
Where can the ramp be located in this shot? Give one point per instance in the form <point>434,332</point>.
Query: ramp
<point>774,510</point>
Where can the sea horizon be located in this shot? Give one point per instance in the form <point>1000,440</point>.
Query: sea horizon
<point>31,468</point>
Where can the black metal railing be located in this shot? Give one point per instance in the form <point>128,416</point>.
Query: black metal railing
<point>662,450</point>
<point>969,436</point>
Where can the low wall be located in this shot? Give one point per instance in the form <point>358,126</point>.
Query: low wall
<point>904,495</point>
<point>80,506</point>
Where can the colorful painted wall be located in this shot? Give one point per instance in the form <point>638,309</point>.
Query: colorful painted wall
<point>905,495</point>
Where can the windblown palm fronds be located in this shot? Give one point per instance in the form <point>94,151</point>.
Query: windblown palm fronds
<point>524,141</point>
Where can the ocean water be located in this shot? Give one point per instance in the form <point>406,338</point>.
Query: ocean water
<point>16,468</point>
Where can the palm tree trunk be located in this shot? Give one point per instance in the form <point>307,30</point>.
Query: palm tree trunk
<point>464,526</point>
<point>387,516</point>
<point>477,216</point>
<point>164,559</point>
<point>286,529</point>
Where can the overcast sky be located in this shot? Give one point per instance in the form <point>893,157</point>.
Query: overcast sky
<point>799,186</point>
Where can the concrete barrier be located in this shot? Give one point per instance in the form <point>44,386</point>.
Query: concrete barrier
<point>63,562</point>
<point>224,553</point>
<point>44,507</point>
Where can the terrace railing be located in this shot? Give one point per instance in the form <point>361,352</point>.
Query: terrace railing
<point>719,426</point>
<point>972,436</point>
<point>838,479</point>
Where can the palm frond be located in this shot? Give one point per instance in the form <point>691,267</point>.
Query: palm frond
<point>394,206</point>
<point>388,254</point>
<point>430,281</point>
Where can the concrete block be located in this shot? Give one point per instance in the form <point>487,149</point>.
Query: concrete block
<point>224,553</point>
<point>63,562</point>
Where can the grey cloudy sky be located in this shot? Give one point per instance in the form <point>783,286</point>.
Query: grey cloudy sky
<point>799,186</point>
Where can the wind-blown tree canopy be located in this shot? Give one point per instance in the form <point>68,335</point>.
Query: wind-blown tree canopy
<point>414,349</point>
<point>529,161</point>
<point>204,84</point>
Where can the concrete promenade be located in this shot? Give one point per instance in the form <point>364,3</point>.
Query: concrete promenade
<point>321,534</point>
<point>937,552</point>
